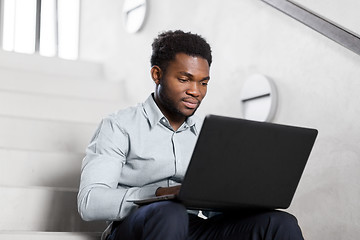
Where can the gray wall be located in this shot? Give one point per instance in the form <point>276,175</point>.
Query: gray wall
<point>318,83</point>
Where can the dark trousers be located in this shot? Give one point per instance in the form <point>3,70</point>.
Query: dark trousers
<point>170,221</point>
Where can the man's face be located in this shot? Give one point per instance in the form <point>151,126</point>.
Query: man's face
<point>180,90</point>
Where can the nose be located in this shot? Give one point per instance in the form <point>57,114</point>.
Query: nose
<point>193,90</point>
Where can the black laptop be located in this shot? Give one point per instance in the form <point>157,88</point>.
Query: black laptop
<point>240,163</point>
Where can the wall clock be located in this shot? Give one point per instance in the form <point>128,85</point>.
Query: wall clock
<point>134,12</point>
<point>259,98</point>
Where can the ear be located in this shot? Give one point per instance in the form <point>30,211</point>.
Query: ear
<point>156,74</point>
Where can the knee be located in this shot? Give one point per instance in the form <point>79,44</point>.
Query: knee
<point>169,213</point>
<point>286,224</point>
<point>283,219</point>
<point>160,220</point>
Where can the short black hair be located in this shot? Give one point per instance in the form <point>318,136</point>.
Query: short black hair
<point>169,43</point>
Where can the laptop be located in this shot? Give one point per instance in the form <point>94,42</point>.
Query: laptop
<point>238,163</point>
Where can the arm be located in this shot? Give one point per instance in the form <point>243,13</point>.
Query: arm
<point>101,194</point>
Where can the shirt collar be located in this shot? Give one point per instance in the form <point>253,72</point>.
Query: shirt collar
<point>154,115</point>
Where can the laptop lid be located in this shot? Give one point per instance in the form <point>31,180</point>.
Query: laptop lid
<point>240,163</point>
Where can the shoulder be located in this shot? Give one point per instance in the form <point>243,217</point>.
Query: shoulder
<point>125,118</point>
<point>126,114</point>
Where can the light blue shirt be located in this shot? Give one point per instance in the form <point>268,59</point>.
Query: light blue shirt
<point>132,153</point>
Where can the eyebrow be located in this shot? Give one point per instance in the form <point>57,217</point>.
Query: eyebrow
<point>189,75</point>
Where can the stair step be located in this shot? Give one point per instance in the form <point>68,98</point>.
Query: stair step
<point>50,65</point>
<point>41,135</point>
<point>28,235</point>
<point>58,85</point>
<point>32,168</point>
<point>42,209</point>
<point>55,108</point>
<point>49,110</point>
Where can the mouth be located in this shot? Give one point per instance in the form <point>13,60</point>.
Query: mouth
<point>191,103</point>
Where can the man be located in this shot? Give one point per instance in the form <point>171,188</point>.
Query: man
<point>144,151</point>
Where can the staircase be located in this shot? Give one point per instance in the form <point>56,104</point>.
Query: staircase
<point>49,110</point>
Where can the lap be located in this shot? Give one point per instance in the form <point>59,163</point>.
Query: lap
<point>160,220</point>
<point>246,225</point>
<point>170,220</point>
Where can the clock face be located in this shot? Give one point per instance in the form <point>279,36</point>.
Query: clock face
<point>259,98</point>
<point>134,12</point>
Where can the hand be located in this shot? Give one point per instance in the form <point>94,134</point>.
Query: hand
<point>168,190</point>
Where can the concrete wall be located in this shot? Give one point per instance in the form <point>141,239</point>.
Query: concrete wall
<point>317,79</point>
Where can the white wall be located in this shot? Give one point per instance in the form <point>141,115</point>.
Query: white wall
<point>317,79</point>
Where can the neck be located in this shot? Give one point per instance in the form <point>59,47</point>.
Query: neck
<point>176,125</point>
<point>175,119</point>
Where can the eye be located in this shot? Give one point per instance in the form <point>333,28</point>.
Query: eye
<point>204,83</point>
<point>183,80</point>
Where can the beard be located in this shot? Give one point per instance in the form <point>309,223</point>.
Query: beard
<point>170,105</point>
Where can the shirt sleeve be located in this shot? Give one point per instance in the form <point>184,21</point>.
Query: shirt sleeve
<point>101,195</point>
